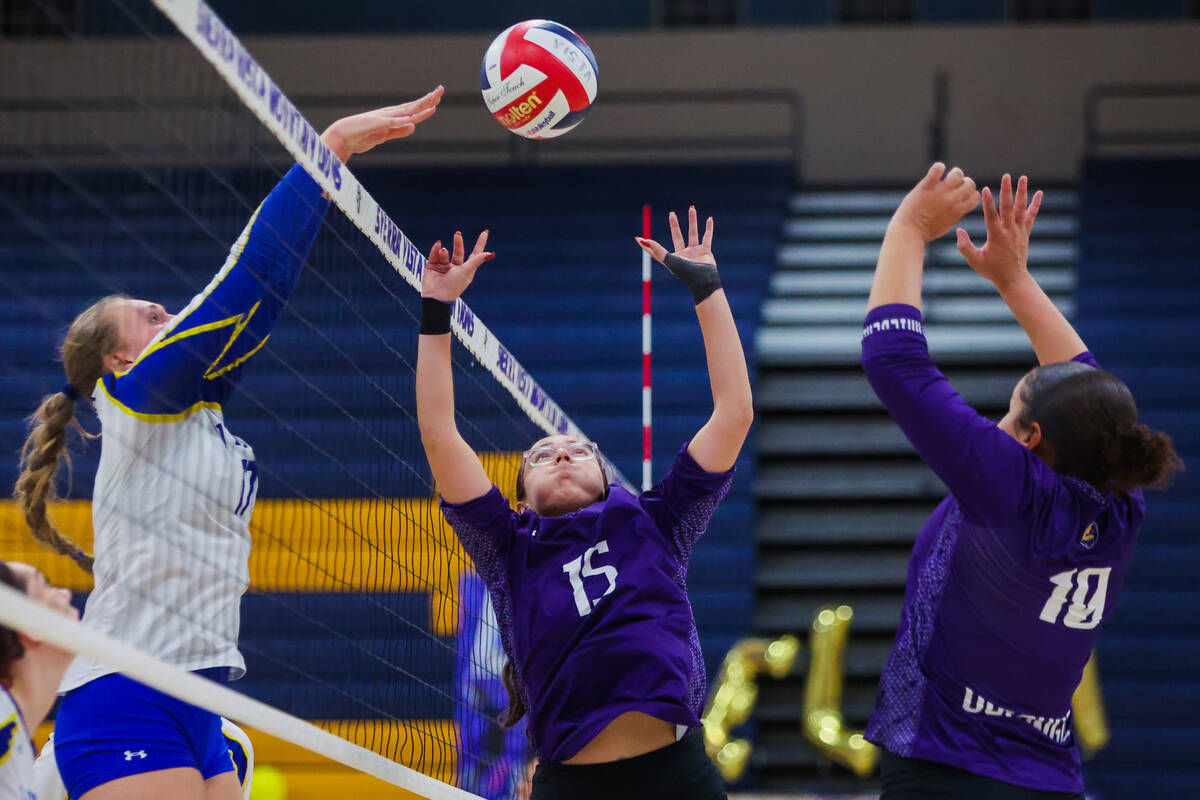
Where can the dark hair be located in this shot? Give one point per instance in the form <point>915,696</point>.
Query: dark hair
<point>1090,429</point>
<point>516,704</point>
<point>91,337</point>
<point>11,648</point>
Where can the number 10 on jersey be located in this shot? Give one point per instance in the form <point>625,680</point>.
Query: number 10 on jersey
<point>1087,602</point>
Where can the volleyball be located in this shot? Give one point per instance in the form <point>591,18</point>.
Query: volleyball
<point>538,79</point>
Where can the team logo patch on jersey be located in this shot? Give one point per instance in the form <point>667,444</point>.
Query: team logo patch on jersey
<point>1088,540</point>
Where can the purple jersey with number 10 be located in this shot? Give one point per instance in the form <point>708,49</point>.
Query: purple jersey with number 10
<point>592,606</point>
<point>1008,582</point>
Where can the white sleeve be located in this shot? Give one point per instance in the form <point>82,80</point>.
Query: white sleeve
<point>47,785</point>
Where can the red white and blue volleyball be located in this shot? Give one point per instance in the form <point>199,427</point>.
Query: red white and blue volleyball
<point>539,79</point>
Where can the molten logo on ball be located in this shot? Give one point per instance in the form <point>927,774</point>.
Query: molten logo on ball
<point>539,79</point>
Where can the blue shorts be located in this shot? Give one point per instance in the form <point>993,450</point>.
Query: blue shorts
<point>114,727</point>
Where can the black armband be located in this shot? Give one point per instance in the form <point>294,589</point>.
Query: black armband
<point>702,279</point>
<point>435,316</point>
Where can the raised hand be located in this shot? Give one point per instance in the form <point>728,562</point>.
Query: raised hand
<point>1004,255</point>
<point>693,262</point>
<point>938,201</point>
<point>696,249</point>
<point>447,275</point>
<point>361,132</point>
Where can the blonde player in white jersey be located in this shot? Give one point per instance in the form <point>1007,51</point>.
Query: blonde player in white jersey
<point>174,492</point>
<point>30,671</point>
<point>48,785</point>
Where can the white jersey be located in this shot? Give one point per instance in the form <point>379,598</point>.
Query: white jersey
<point>175,489</point>
<point>16,752</point>
<point>48,785</point>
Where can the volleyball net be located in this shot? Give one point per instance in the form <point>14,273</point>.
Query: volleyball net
<point>135,152</point>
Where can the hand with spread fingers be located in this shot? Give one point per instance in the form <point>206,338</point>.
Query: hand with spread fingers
<point>361,132</point>
<point>447,275</point>
<point>692,262</point>
<point>1003,256</point>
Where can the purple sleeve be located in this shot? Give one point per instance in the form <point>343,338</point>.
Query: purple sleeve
<point>683,502</point>
<point>984,468</point>
<point>485,526</point>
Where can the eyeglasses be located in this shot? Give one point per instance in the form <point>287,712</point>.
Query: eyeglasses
<point>545,455</point>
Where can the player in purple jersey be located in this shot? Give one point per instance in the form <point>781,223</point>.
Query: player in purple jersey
<point>587,579</point>
<point>1014,571</point>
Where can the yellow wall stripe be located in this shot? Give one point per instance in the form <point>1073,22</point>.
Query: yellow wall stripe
<point>326,545</point>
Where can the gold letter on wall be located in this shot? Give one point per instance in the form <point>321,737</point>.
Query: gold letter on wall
<point>733,700</point>
<point>823,695</point>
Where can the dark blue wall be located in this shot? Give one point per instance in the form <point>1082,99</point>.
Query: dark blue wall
<point>1138,293</point>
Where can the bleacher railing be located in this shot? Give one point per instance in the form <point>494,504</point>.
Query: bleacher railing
<point>681,124</point>
<point>1146,116</point>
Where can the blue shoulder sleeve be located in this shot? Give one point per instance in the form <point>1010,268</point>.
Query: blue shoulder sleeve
<point>197,359</point>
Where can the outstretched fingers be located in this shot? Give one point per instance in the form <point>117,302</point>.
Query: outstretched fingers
<point>965,246</point>
<point>1006,199</point>
<point>693,229</point>
<point>477,260</point>
<point>429,100</point>
<point>1032,212</point>
<point>708,234</point>
<point>676,234</point>
<point>458,248</point>
<point>480,243</point>
<point>990,215</point>
<point>656,250</point>
<point>1021,203</point>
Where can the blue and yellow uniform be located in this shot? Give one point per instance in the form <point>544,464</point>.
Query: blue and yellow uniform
<point>171,508</point>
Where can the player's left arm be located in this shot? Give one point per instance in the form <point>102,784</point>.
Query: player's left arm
<point>716,446</point>
<point>1003,260</point>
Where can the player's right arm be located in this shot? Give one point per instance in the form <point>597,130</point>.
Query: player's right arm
<point>459,475</point>
<point>1003,260</point>
<point>199,354</point>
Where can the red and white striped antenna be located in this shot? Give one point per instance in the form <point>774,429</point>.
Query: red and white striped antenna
<point>646,451</point>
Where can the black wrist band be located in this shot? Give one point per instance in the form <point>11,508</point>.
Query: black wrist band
<point>701,278</point>
<point>435,316</point>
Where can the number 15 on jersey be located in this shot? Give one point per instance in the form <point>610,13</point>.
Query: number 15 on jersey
<point>582,567</point>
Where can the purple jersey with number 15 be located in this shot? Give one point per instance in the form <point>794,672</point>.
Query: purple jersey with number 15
<point>1007,586</point>
<point>593,607</point>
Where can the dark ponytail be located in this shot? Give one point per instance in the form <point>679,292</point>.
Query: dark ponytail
<point>1140,457</point>
<point>1090,429</point>
<point>516,704</point>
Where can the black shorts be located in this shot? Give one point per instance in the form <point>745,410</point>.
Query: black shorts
<point>680,771</point>
<point>913,779</point>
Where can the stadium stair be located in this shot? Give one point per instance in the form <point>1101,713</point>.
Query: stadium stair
<point>840,493</point>
<point>1138,294</point>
